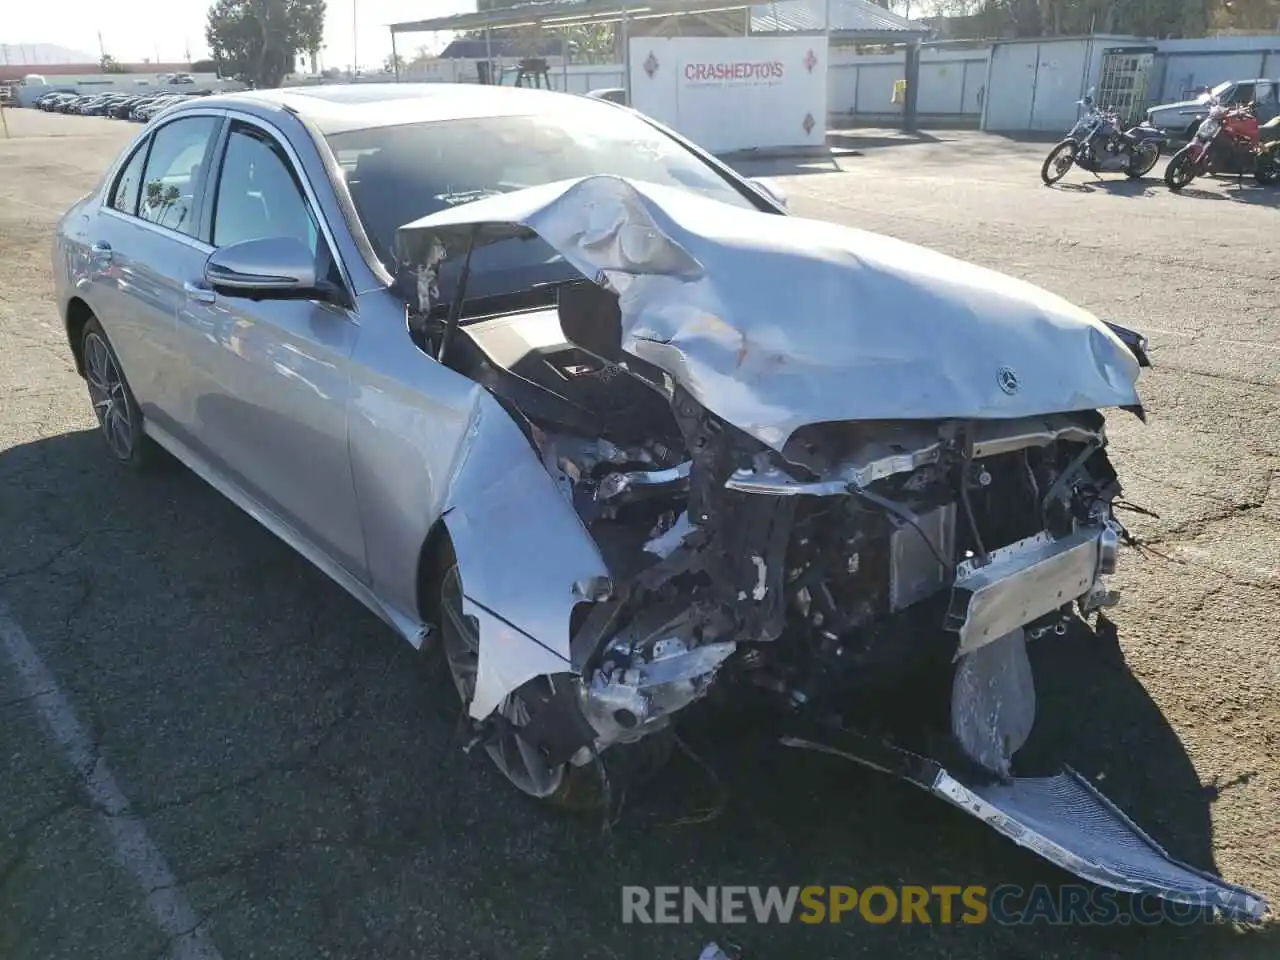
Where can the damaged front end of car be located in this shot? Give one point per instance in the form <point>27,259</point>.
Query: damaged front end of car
<point>811,463</point>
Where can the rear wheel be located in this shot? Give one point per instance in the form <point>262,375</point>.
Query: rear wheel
<point>561,785</point>
<point>1144,157</point>
<point>1181,169</point>
<point>1058,162</point>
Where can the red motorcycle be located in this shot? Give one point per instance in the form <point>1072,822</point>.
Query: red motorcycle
<point>1228,141</point>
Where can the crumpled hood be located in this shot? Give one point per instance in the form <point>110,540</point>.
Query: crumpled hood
<point>773,322</point>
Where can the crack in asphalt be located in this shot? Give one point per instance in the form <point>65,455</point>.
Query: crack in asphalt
<point>44,564</point>
<point>27,835</point>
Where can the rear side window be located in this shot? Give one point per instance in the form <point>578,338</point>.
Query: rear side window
<point>124,195</point>
<point>175,173</point>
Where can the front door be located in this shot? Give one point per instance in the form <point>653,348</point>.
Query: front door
<point>270,379</point>
<point>141,244</point>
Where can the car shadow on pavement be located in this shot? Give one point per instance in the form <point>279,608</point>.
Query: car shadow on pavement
<point>313,798</point>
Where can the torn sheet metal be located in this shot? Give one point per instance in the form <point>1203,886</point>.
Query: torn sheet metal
<point>774,322</point>
<point>1063,819</point>
<point>525,558</point>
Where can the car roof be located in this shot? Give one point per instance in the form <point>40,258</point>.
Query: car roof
<point>336,108</point>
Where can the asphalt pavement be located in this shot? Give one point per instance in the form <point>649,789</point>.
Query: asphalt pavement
<point>209,750</point>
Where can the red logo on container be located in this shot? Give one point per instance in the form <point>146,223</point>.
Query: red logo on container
<point>650,64</point>
<point>810,61</point>
<point>745,70</point>
<point>808,123</point>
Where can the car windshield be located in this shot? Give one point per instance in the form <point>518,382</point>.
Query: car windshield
<point>1219,91</point>
<point>397,174</point>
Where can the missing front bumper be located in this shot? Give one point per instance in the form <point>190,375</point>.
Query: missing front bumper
<point>1063,818</point>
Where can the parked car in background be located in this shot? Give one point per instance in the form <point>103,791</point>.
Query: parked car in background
<point>121,109</point>
<point>148,110</point>
<point>46,101</point>
<point>612,94</point>
<point>1184,117</point>
<point>100,105</point>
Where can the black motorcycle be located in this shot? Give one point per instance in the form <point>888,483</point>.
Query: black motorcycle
<point>1097,143</point>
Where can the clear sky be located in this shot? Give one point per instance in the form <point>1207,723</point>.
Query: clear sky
<point>134,29</point>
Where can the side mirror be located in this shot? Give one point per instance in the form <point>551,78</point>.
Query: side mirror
<point>271,268</point>
<point>770,189</point>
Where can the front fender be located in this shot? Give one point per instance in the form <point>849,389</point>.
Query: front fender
<point>523,553</point>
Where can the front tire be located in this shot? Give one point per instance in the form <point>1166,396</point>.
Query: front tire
<point>1180,171</point>
<point>119,417</point>
<point>1058,162</point>
<point>594,784</point>
<point>1268,169</point>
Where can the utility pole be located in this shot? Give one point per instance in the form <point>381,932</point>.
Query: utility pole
<point>355,38</point>
<point>102,50</point>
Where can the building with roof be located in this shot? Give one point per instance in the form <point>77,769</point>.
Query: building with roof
<point>841,22</point>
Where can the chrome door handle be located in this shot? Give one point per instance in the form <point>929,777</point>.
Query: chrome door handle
<point>198,293</point>
<point>101,251</point>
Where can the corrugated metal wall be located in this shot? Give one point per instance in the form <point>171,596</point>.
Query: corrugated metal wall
<point>1034,85</point>
<point>952,85</point>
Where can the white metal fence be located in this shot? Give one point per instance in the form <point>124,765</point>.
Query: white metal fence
<point>952,85</point>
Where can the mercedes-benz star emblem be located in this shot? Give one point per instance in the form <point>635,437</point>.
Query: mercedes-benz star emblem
<point>1008,380</point>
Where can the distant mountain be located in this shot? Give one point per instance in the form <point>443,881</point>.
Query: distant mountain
<point>34,54</point>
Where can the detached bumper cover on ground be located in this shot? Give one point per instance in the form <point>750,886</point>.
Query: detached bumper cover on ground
<point>1061,818</point>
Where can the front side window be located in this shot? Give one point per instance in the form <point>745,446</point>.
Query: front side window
<point>175,173</point>
<point>1242,94</point>
<point>258,195</point>
<point>124,195</point>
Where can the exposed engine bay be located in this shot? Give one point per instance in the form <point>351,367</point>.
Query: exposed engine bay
<point>860,552</point>
<point>762,487</point>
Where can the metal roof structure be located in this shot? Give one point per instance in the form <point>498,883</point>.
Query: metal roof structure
<point>850,19</point>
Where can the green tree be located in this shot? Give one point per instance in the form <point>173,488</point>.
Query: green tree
<point>257,41</point>
<point>108,64</point>
<point>394,63</point>
<point>591,43</point>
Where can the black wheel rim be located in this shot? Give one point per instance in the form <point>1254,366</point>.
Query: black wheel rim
<point>107,391</point>
<point>1181,172</point>
<point>519,762</point>
<point>1148,154</point>
<point>1059,162</point>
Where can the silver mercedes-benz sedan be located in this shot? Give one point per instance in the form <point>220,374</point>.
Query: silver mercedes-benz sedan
<point>573,406</point>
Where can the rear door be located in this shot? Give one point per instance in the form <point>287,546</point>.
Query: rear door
<point>269,380</point>
<point>140,244</point>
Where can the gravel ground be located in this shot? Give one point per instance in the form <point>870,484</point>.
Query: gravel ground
<point>275,739</point>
